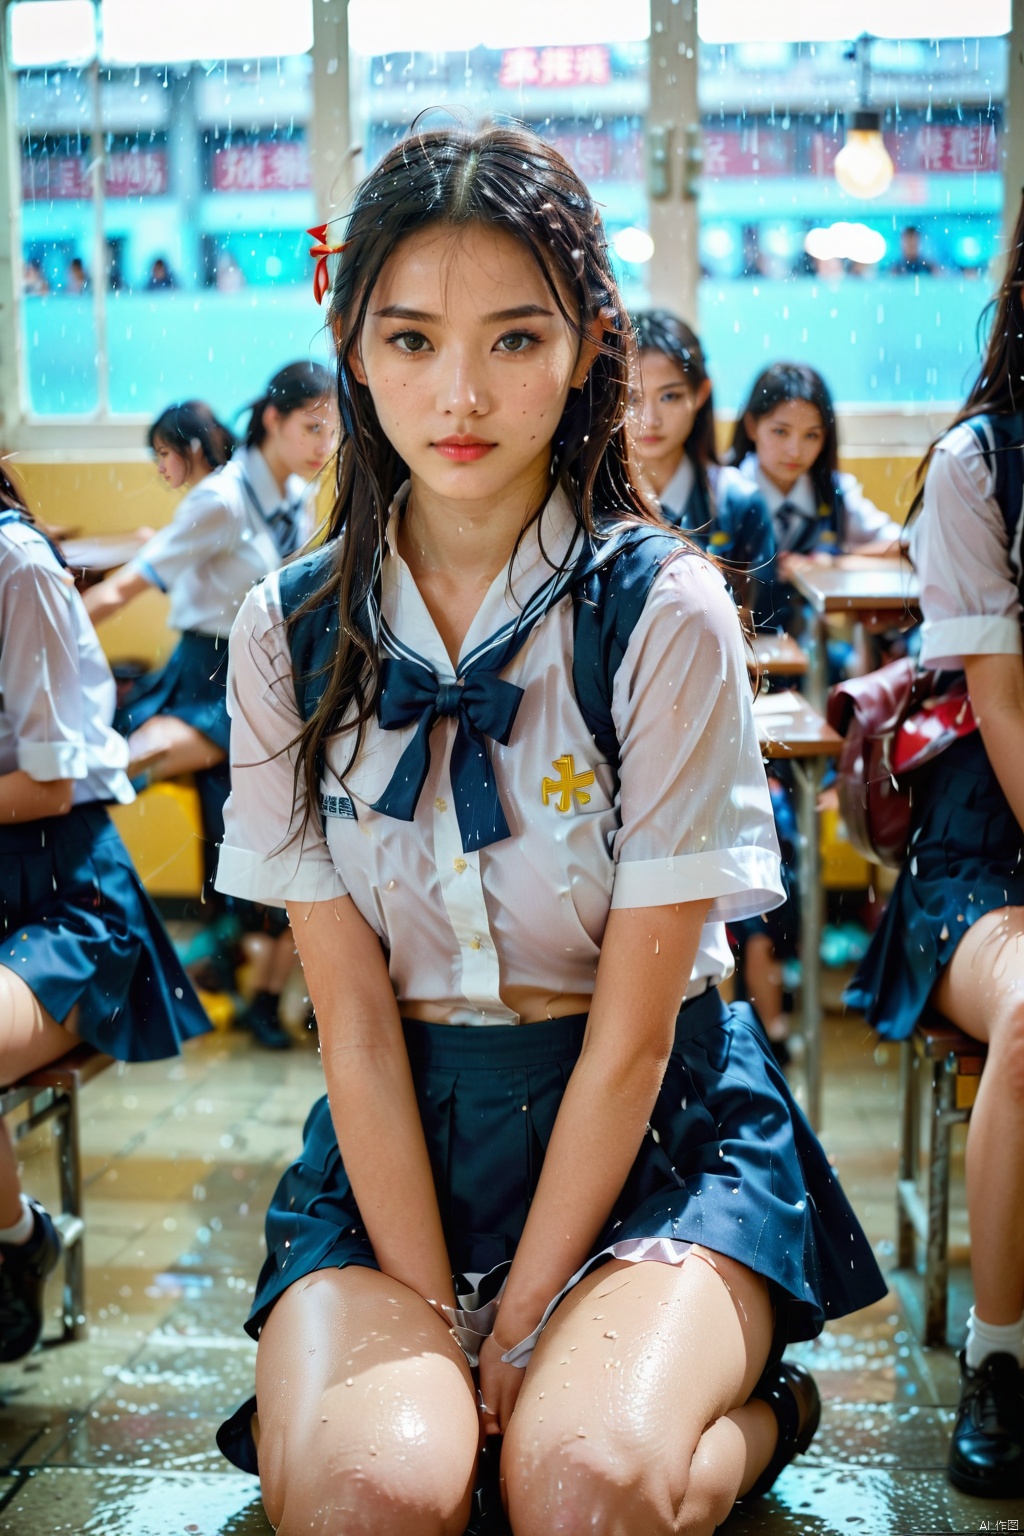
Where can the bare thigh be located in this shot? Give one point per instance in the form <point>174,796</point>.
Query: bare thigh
<point>29,1036</point>
<point>982,987</point>
<point>637,1363</point>
<point>368,1421</point>
<point>165,747</point>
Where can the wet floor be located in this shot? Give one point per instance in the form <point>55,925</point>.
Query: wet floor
<point>114,1435</point>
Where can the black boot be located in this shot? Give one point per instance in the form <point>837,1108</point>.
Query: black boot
<point>986,1456</point>
<point>792,1395</point>
<point>23,1271</point>
<point>261,1018</point>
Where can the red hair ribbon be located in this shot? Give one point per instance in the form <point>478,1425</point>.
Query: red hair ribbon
<point>321,250</point>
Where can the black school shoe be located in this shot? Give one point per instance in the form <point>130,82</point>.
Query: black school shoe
<point>986,1456</point>
<point>261,1019</point>
<point>23,1271</point>
<point>791,1394</point>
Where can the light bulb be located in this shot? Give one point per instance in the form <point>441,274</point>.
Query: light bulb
<point>863,167</point>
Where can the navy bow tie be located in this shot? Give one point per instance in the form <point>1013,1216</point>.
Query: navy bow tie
<point>285,523</point>
<point>484,706</point>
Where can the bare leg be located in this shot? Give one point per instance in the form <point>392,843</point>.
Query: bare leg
<point>272,961</point>
<point>165,747</point>
<point>762,974</point>
<point>634,1417</point>
<point>29,1038</point>
<point>982,991</point>
<point>367,1416</point>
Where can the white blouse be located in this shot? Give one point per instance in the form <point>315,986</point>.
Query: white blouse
<point>690,819</point>
<point>864,521</point>
<point>970,575</point>
<point>56,691</point>
<point>219,542</point>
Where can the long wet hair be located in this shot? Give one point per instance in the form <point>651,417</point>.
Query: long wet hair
<point>508,179</point>
<point>291,388</point>
<point>658,330</point>
<point>190,425</point>
<point>998,389</point>
<point>12,497</point>
<point>774,387</point>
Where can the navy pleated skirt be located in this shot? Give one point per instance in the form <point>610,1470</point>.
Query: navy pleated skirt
<point>728,1161</point>
<point>192,687</point>
<point>77,926</point>
<point>966,858</point>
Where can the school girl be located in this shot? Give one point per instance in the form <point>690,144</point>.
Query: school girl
<point>953,932</point>
<point>786,441</point>
<point>722,511</point>
<point>83,954</point>
<point>512,934</point>
<point>234,526</point>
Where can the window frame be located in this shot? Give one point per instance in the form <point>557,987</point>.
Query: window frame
<point>672,128</point>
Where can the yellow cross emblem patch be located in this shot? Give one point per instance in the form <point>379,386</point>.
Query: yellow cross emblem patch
<point>568,783</point>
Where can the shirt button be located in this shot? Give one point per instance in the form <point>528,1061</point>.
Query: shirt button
<point>459,865</point>
<point>475,944</point>
<point>440,805</point>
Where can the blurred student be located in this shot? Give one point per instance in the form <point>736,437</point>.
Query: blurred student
<point>721,509</point>
<point>160,276</point>
<point>83,953</point>
<point>77,278</point>
<point>911,262</point>
<point>238,522</point>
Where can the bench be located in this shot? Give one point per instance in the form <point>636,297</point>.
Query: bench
<point>951,1062</point>
<point>51,1093</point>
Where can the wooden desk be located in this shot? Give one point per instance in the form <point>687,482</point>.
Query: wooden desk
<point>90,559</point>
<point>790,728</point>
<point>868,588</point>
<point>780,656</point>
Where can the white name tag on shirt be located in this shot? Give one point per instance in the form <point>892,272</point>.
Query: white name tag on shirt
<point>338,805</point>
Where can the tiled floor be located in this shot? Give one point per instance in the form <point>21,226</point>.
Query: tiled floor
<point>114,1435</point>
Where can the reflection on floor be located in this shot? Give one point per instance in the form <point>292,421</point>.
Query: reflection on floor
<point>114,1435</point>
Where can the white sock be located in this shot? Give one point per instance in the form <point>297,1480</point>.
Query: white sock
<point>22,1229</point>
<point>984,1339</point>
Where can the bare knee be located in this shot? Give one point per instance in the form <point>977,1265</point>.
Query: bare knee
<point>322,1482</point>
<point>585,1485</point>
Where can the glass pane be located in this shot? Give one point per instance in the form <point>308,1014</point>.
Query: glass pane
<point>879,287</point>
<point>208,201</point>
<point>577,75</point>
<point>53,109</point>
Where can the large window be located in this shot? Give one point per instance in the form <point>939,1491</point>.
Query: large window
<point>164,203</point>
<point>575,72</point>
<point>877,278</point>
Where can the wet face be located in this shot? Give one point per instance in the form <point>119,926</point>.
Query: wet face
<point>301,441</point>
<point>171,466</point>
<point>788,441</point>
<point>664,409</point>
<point>468,360</point>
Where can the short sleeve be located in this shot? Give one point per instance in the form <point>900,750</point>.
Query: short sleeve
<point>267,854</point>
<point>40,674</point>
<point>200,530</point>
<point>865,523</point>
<point>970,597</point>
<point>696,813</point>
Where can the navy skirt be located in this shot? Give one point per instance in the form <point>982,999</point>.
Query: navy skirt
<point>966,858</point>
<point>728,1161</point>
<point>77,926</point>
<point>192,687</point>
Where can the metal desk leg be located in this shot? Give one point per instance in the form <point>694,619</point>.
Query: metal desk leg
<point>807,773</point>
<point>817,677</point>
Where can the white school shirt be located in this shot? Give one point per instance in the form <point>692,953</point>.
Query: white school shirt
<point>720,476</point>
<point>969,574</point>
<point>691,819</point>
<point>219,542</point>
<point>56,690</point>
<point>864,521</point>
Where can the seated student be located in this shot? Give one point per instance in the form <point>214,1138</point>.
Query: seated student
<point>725,513</point>
<point>952,935</point>
<point>494,746</point>
<point>674,443</point>
<point>83,953</point>
<point>238,522</point>
<point>786,440</point>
